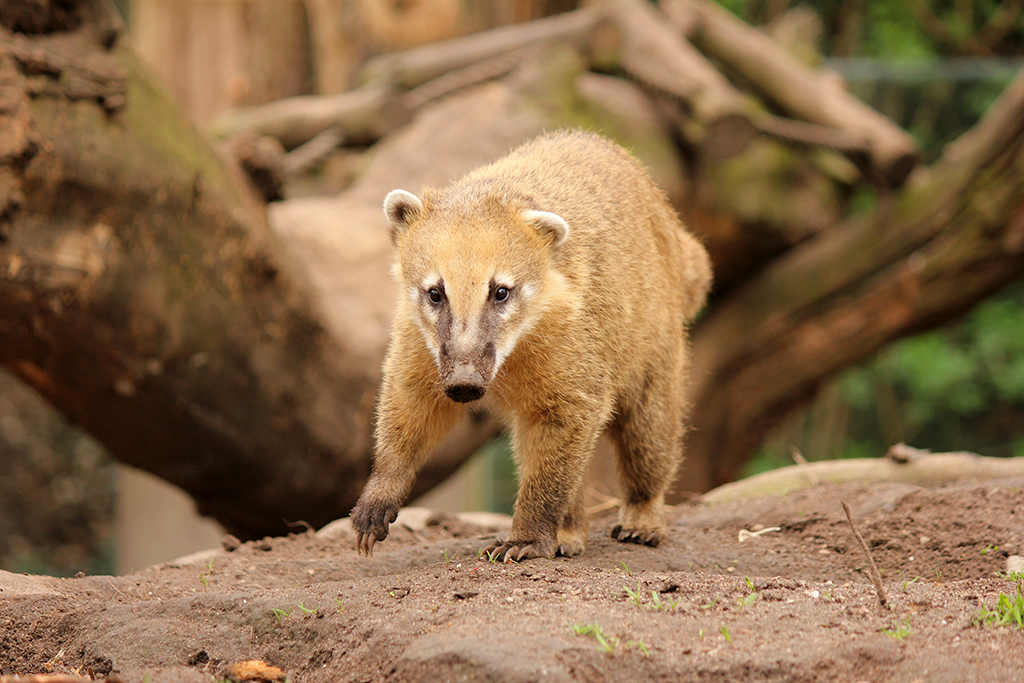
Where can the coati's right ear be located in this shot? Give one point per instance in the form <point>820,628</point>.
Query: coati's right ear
<point>550,224</point>
<point>401,208</point>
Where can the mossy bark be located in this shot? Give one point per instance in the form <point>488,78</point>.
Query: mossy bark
<point>143,294</point>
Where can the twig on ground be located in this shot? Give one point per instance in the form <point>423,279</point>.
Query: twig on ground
<point>876,577</point>
<point>415,534</point>
<point>745,534</point>
<point>605,502</point>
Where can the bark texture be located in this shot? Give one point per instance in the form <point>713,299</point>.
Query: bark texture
<point>143,294</point>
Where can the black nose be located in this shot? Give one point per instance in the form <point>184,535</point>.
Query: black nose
<point>464,393</point>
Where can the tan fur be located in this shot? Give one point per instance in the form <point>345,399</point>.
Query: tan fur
<point>592,334</point>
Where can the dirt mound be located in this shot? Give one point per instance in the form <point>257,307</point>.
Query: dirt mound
<point>789,604</point>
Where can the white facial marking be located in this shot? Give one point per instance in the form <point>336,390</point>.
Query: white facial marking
<point>415,297</point>
<point>429,341</point>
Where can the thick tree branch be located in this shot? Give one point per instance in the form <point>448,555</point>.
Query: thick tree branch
<point>416,66</point>
<point>363,116</point>
<point>799,90</point>
<point>953,236</point>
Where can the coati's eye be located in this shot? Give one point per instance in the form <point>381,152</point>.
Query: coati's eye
<point>434,294</point>
<point>500,294</point>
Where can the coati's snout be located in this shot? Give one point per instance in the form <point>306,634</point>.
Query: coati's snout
<point>465,380</point>
<point>465,384</point>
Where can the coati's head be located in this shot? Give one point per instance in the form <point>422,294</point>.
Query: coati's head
<point>477,271</point>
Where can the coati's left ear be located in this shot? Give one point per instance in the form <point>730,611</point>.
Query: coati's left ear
<point>550,224</point>
<point>401,208</point>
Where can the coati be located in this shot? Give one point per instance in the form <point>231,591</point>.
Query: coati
<point>555,285</point>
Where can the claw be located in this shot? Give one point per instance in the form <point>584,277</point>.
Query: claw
<point>365,543</point>
<point>370,521</point>
<point>509,553</point>
<point>639,536</point>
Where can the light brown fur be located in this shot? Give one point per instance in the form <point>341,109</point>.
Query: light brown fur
<point>591,335</point>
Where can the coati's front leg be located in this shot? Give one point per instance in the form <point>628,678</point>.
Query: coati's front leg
<point>552,455</point>
<point>412,419</point>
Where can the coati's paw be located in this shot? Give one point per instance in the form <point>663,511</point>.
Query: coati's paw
<point>570,549</point>
<point>651,537</point>
<point>571,543</point>
<point>516,551</point>
<point>370,520</point>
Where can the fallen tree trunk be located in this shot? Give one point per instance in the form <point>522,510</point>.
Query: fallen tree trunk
<point>142,293</point>
<point>927,469</point>
<point>954,235</point>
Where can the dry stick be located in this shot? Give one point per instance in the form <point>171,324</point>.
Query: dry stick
<point>418,65</point>
<point>474,74</point>
<point>876,578</point>
<point>801,462</point>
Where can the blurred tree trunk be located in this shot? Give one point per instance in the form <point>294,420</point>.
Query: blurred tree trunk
<point>215,55</point>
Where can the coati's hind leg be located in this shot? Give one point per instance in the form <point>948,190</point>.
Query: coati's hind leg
<point>648,438</point>
<point>572,534</point>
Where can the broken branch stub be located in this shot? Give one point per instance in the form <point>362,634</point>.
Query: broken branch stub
<point>363,115</point>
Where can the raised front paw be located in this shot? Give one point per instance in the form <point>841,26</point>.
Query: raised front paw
<point>516,551</point>
<point>370,520</point>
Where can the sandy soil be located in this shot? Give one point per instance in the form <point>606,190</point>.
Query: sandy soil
<point>789,605</point>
